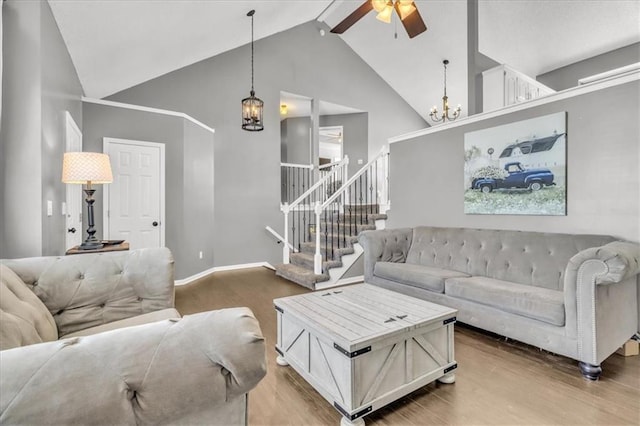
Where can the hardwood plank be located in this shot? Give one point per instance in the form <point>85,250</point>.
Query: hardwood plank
<point>498,381</point>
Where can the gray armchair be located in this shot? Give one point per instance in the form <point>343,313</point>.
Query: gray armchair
<point>125,356</point>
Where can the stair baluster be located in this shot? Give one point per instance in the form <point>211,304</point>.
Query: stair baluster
<point>334,210</point>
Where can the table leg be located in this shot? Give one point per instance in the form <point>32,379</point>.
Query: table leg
<point>357,422</point>
<point>448,378</point>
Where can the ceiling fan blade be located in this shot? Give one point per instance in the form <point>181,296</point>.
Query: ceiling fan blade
<point>355,16</point>
<point>413,23</point>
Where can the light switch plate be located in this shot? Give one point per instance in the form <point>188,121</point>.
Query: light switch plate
<point>49,208</point>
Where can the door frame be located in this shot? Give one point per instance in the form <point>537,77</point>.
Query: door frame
<point>106,143</point>
<point>70,126</point>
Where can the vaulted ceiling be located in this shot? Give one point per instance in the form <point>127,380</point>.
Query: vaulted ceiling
<point>116,44</point>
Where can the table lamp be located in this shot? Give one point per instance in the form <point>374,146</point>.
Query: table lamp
<point>87,168</point>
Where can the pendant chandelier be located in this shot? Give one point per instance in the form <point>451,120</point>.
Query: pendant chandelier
<point>433,114</point>
<point>252,106</point>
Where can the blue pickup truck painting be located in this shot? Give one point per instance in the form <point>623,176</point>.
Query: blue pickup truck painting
<point>517,177</point>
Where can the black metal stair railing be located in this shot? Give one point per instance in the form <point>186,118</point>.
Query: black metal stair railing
<point>299,219</point>
<point>350,209</point>
<point>295,180</point>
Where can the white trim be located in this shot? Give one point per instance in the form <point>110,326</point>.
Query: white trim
<point>611,73</point>
<point>147,109</point>
<point>300,166</point>
<point>520,75</point>
<point>72,126</point>
<point>215,269</point>
<point>105,206</point>
<point>328,10</point>
<point>278,236</point>
<point>554,97</point>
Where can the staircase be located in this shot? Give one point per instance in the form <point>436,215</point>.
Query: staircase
<point>321,226</point>
<point>338,237</point>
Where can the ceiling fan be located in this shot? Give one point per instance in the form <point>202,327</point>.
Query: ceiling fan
<point>406,9</point>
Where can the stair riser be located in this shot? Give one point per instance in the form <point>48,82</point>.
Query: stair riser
<point>303,262</point>
<point>353,229</point>
<point>366,208</point>
<point>351,239</point>
<point>304,279</point>
<point>338,252</point>
<point>348,218</point>
<point>308,263</point>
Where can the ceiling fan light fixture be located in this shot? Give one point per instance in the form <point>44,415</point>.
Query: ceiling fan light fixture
<point>385,15</point>
<point>405,8</point>
<point>283,109</point>
<point>379,5</point>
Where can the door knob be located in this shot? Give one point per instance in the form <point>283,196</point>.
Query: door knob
<point>72,230</point>
<point>155,223</point>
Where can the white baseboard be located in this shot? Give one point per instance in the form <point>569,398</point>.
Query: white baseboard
<point>210,271</point>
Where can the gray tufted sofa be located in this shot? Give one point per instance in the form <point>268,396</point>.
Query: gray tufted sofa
<point>124,355</point>
<point>575,295</point>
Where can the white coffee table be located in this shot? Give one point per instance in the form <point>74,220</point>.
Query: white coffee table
<point>362,347</point>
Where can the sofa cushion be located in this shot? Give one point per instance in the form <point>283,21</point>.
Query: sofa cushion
<point>425,277</point>
<point>533,302</point>
<point>128,322</point>
<point>24,319</point>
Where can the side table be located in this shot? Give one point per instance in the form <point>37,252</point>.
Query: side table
<point>107,247</point>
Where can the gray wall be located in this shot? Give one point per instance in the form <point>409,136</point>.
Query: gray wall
<point>39,84</point>
<point>568,76</point>
<point>295,140</point>
<point>602,169</point>
<point>198,202</point>
<point>188,174</point>
<point>61,91</point>
<point>247,165</point>
<point>354,136</point>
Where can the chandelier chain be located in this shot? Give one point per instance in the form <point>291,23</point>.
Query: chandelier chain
<point>252,54</point>
<point>445,78</point>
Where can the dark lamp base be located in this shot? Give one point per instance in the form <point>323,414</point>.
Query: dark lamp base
<point>90,245</point>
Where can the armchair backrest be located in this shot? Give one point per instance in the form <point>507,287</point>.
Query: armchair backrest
<point>88,290</point>
<point>24,319</point>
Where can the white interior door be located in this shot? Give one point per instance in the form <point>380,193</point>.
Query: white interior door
<point>73,200</point>
<point>134,202</point>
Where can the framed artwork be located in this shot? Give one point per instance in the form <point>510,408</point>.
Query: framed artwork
<point>518,168</point>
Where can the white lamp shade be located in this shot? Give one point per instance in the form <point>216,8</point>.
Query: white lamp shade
<point>83,167</point>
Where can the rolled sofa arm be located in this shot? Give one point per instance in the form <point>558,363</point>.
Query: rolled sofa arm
<point>88,290</point>
<point>156,373</point>
<point>622,260</point>
<point>386,245</point>
<point>600,295</point>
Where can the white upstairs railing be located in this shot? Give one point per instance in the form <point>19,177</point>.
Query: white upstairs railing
<point>325,169</point>
<point>298,215</point>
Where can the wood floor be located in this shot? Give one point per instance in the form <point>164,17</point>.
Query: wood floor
<point>498,381</point>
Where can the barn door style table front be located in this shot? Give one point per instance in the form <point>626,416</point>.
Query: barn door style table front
<point>362,347</point>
